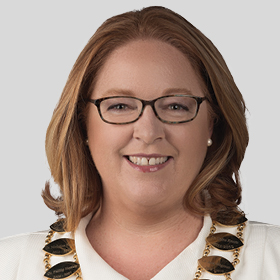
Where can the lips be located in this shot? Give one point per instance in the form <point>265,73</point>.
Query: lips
<point>148,163</point>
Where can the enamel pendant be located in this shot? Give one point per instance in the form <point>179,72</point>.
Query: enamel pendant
<point>224,241</point>
<point>216,265</point>
<point>60,247</point>
<point>224,220</point>
<point>58,226</point>
<point>62,270</point>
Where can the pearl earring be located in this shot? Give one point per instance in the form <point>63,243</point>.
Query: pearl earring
<point>209,142</point>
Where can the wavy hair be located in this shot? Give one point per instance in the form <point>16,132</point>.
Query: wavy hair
<point>216,188</point>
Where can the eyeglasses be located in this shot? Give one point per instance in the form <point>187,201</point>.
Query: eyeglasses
<point>170,109</point>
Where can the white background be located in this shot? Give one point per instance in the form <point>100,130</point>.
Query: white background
<point>40,41</point>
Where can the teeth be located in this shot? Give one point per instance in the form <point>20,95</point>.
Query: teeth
<point>143,161</point>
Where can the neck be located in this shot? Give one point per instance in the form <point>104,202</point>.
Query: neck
<point>156,237</point>
<point>173,225</point>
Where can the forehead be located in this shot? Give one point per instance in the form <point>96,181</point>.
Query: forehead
<point>144,67</point>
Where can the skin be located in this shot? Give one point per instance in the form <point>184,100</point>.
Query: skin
<point>142,211</point>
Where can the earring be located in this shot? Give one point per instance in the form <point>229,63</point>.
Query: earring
<point>209,142</point>
<point>87,142</point>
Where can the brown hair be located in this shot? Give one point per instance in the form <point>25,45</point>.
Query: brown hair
<point>216,188</point>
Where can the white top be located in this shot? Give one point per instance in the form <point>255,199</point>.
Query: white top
<point>21,257</point>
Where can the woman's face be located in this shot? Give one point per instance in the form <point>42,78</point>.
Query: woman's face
<point>147,69</point>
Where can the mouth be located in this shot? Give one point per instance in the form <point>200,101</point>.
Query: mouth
<point>147,161</point>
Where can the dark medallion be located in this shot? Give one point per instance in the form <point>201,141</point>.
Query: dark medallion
<point>226,219</point>
<point>62,270</point>
<point>216,264</point>
<point>60,247</point>
<point>58,226</point>
<point>224,241</point>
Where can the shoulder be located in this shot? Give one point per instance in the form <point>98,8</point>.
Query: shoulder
<point>20,253</point>
<point>16,239</point>
<point>262,249</point>
<point>265,236</point>
<point>264,232</point>
<point>18,242</point>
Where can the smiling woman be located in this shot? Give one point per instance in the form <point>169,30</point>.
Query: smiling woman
<point>145,144</point>
<point>159,68</point>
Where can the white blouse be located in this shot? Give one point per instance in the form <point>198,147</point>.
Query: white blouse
<point>21,257</point>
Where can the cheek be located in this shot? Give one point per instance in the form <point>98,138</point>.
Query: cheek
<point>105,142</point>
<point>192,145</point>
<point>97,137</point>
<point>195,144</point>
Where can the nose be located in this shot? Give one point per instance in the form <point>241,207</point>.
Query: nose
<point>148,128</point>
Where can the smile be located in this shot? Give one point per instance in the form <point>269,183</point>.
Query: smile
<point>144,161</point>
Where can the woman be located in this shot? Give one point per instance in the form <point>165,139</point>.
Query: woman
<point>146,144</point>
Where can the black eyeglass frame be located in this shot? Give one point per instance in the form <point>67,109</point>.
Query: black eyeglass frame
<point>198,100</point>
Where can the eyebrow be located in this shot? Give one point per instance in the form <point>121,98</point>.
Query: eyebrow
<point>124,92</point>
<point>178,90</point>
<point>117,92</point>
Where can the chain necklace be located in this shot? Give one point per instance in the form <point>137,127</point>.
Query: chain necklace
<point>223,241</point>
<point>217,265</point>
<point>60,247</point>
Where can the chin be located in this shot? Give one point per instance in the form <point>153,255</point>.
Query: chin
<point>151,196</point>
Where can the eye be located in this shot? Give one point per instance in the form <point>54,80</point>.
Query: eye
<point>177,107</point>
<point>118,107</point>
